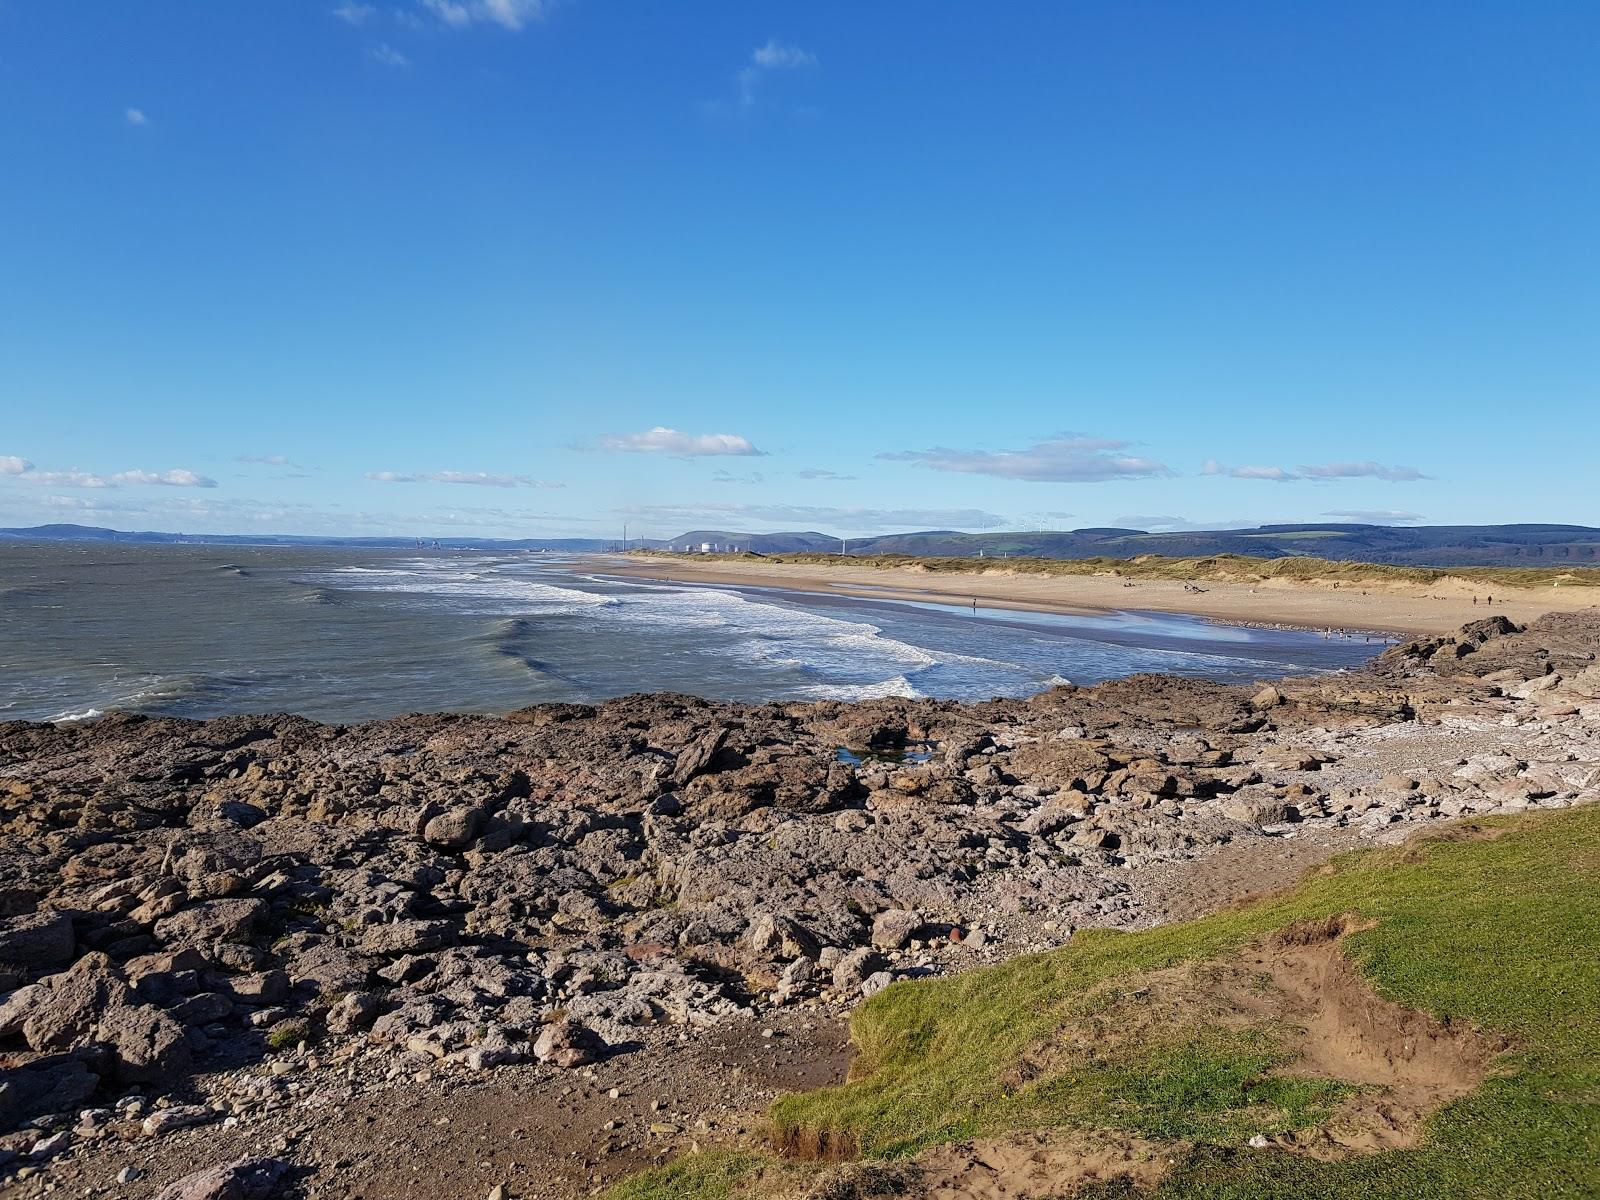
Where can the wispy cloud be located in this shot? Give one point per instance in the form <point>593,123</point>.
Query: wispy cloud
<point>135,116</point>
<point>514,15</point>
<point>387,55</point>
<point>1067,458</point>
<point>476,478</point>
<point>1363,470</point>
<point>1170,524</point>
<point>662,440</point>
<point>1276,474</point>
<point>1348,470</point>
<point>355,14</point>
<point>820,473</point>
<point>764,60</point>
<point>25,471</point>
<point>730,477</point>
<point>797,515</point>
<point>1377,516</point>
<point>267,460</point>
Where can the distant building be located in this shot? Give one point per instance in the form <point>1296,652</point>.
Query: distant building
<point>708,547</point>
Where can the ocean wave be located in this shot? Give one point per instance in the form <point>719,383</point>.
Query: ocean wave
<point>68,718</point>
<point>884,689</point>
<point>473,589</point>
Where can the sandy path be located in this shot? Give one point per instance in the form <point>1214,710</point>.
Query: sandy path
<point>1440,607</point>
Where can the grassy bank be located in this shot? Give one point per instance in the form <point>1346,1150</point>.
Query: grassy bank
<point>1501,932</point>
<point>1237,568</point>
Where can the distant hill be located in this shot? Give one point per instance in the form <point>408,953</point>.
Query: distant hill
<point>1417,546</point>
<point>93,533</point>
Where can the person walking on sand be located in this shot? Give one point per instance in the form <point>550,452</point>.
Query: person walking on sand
<point>974,604</point>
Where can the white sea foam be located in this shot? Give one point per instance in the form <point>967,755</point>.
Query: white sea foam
<point>67,718</point>
<point>899,686</point>
<point>494,592</point>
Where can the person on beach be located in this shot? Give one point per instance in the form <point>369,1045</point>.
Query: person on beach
<point>974,604</point>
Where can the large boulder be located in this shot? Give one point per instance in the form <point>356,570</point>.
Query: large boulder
<point>453,830</point>
<point>214,921</point>
<point>147,1045</point>
<point>36,942</point>
<point>51,1084</point>
<point>69,1006</point>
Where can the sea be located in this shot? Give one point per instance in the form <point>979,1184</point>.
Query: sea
<point>345,635</point>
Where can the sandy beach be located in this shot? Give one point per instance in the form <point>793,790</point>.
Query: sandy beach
<point>1402,608</point>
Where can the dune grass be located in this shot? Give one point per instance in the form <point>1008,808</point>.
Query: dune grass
<point>1215,567</point>
<point>1500,931</point>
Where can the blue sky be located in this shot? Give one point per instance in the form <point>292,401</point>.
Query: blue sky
<point>504,267</point>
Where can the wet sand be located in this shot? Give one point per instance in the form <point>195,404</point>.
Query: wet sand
<point>1404,608</point>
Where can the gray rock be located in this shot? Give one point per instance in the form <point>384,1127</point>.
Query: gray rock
<point>210,922</point>
<point>854,968</point>
<point>149,1046</point>
<point>51,1084</point>
<point>779,937</point>
<point>245,1179</point>
<point>407,937</point>
<point>14,1009</point>
<point>453,830</point>
<point>183,1116</point>
<point>894,928</point>
<point>73,1003</point>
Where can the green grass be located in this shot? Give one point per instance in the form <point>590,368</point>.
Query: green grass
<point>1503,933</point>
<point>1218,567</point>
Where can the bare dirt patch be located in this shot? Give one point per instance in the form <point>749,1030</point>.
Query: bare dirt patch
<point>1038,1164</point>
<point>1405,1063</point>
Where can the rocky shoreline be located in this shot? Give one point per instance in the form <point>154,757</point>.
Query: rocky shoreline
<point>216,935</point>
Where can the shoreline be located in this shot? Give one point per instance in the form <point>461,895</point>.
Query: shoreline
<point>1387,609</point>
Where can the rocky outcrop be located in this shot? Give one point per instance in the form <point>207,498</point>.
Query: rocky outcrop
<point>452,893</point>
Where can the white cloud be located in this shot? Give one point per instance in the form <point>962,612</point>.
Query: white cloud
<point>355,14</point>
<point>178,477</point>
<point>662,440</point>
<point>508,14</point>
<point>1363,470</point>
<point>387,55</point>
<point>1067,458</point>
<point>135,116</point>
<point>1377,516</point>
<point>774,56</point>
<point>1275,474</point>
<point>798,515</point>
<point>10,464</point>
<point>478,478</point>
